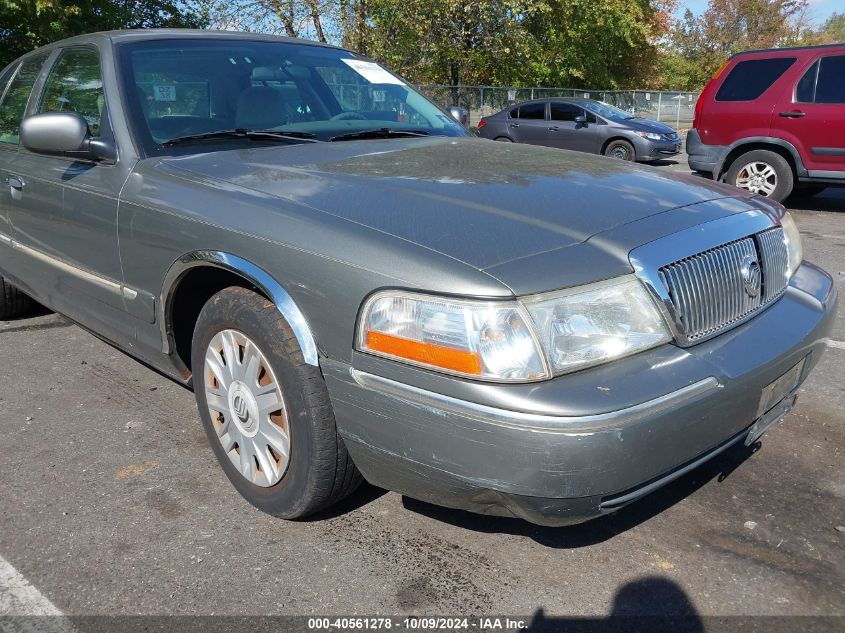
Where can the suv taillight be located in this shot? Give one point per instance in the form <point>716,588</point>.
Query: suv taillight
<point>700,103</point>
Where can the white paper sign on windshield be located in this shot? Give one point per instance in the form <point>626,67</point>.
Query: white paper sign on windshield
<point>372,72</point>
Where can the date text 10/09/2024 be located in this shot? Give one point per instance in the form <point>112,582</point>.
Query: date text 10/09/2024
<point>416,623</point>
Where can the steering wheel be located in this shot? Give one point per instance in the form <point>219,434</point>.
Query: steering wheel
<point>343,116</point>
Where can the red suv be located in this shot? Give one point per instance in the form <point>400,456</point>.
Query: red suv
<point>774,121</point>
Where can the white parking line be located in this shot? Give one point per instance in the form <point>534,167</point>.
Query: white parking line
<point>837,344</point>
<point>19,599</point>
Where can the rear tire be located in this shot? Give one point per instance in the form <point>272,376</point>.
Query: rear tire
<point>620,149</point>
<point>13,302</point>
<point>503,139</point>
<point>260,366</point>
<point>762,172</point>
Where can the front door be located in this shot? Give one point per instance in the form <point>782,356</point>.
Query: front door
<point>812,117</point>
<point>567,133</point>
<point>65,212</point>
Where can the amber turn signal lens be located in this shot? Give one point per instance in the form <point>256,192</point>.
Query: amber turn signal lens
<point>449,358</point>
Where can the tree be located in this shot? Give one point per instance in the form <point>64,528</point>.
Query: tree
<point>831,32</point>
<point>698,45</point>
<point>28,24</point>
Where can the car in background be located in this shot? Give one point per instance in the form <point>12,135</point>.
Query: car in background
<point>773,121</point>
<point>583,125</point>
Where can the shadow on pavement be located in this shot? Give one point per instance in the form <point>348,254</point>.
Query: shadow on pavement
<point>652,604</point>
<point>600,529</point>
<point>831,199</point>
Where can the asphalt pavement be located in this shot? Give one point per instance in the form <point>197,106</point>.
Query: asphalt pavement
<point>111,503</point>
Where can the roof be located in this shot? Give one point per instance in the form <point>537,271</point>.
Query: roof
<point>840,45</point>
<point>140,35</point>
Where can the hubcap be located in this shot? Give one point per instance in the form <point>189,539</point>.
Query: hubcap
<point>757,177</point>
<point>620,152</point>
<point>247,408</point>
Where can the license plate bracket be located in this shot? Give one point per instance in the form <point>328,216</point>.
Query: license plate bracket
<point>776,400</point>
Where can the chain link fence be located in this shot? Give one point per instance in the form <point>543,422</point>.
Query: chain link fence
<point>673,108</point>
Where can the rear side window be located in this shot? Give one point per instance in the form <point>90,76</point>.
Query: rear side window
<point>805,91</point>
<point>750,79</point>
<point>75,85</point>
<point>565,111</point>
<point>533,111</point>
<point>14,102</point>
<point>830,87</point>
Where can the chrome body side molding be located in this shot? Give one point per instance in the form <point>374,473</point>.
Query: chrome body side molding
<point>251,273</point>
<point>534,422</point>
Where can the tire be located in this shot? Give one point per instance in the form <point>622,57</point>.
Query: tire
<point>762,172</point>
<point>13,302</point>
<point>620,149</point>
<point>503,139</point>
<point>317,471</point>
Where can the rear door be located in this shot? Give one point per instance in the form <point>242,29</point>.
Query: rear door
<point>743,103</point>
<point>566,133</point>
<point>531,126</point>
<point>811,116</point>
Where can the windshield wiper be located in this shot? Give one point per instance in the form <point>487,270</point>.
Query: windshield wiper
<point>379,132</point>
<point>256,135</point>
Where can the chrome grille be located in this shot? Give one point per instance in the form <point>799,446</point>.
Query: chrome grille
<point>708,290</point>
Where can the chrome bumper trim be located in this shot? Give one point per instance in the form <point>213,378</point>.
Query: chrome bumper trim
<point>533,422</point>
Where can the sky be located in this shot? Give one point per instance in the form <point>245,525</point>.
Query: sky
<point>820,10</point>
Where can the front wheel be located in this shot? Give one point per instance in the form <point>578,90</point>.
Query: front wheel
<point>620,149</point>
<point>265,411</point>
<point>13,301</point>
<point>762,172</point>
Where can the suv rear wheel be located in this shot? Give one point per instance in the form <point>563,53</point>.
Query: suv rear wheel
<point>762,172</point>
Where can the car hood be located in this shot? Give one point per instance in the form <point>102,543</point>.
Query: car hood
<point>647,125</point>
<point>477,201</point>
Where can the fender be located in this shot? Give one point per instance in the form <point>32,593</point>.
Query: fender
<point>251,273</point>
<point>771,140</point>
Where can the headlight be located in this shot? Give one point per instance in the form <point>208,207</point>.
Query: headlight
<point>596,323</point>
<point>516,341</point>
<point>478,339</point>
<point>793,243</point>
<point>654,136</point>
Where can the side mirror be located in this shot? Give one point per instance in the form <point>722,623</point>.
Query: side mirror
<point>581,120</point>
<point>63,134</point>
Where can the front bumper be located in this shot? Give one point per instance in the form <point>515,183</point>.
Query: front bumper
<point>648,150</point>
<point>578,446</point>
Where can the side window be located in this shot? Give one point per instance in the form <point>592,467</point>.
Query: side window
<point>830,87</point>
<point>591,118</point>
<point>75,84</point>
<point>750,79</point>
<point>17,95</point>
<point>533,111</point>
<point>514,114</point>
<point>565,111</point>
<point>805,91</point>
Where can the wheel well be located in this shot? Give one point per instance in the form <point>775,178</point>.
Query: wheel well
<point>615,138</point>
<point>193,291</point>
<point>736,152</point>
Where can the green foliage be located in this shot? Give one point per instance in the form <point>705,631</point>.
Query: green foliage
<point>698,45</point>
<point>600,43</point>
<point>831,32</point>
<point>28,24</point>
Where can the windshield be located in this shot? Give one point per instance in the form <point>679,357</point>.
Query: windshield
<point>178,88</point>
<point>608,111</point>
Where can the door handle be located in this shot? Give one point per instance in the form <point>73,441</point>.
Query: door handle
<point>15,182</point>
<point>795,114</point>
<point>554,128</point>
<point>514,124</point>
